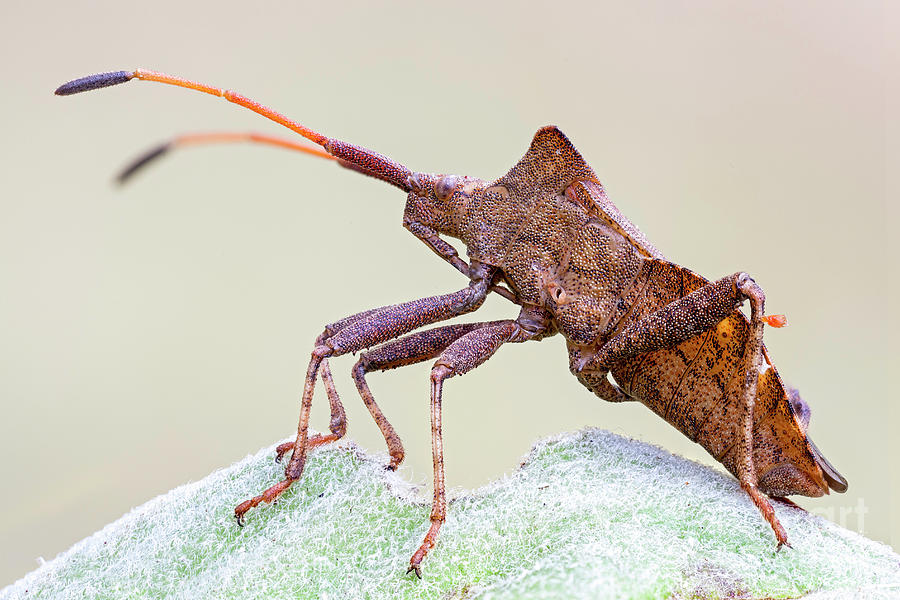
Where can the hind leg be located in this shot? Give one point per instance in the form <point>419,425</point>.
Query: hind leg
<point>676,322</point>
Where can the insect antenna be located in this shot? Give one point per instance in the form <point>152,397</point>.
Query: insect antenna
<point>196,139</point>
<point>354,157</point>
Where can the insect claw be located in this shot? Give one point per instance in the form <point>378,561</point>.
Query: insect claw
<point>783,543</point>
<point>241,509</point>
<point>416,569</point>
<point>283,449</point>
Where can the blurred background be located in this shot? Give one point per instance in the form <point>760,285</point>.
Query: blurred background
<point>156,332</point>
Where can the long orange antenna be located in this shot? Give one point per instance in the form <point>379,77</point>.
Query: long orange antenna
<point>196,139</point>
<point>358,158</point>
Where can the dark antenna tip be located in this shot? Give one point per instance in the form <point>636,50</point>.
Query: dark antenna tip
<point>93,82</point>
<point>142,161</point>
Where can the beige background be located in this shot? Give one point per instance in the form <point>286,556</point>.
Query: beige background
<point>154,333</point>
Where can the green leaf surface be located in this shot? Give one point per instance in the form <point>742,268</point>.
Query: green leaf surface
<point>588,515</point>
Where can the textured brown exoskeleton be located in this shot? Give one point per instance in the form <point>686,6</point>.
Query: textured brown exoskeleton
<point>546,237</point>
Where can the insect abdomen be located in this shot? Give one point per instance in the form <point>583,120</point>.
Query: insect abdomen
<point>697,387</point>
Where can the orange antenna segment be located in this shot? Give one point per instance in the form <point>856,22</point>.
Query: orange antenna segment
<point>234,97</point>
<point>196,139</point>
<point>192,139</point>
<point>360,159</point>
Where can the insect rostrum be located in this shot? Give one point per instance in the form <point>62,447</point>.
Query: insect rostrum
<point>638,327</point>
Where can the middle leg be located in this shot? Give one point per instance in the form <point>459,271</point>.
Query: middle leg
<point>409,350</point>
<point>463,355</point>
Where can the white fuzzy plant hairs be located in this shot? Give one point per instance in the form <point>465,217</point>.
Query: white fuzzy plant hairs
<point>589,515</point>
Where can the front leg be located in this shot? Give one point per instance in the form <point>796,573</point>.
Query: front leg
<point>337,425</point>
<point>449,254</point>
<point>362,331</point>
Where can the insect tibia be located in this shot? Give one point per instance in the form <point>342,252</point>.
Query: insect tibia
<point>93,82</point>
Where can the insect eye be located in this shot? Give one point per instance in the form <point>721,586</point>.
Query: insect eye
<point>445,187</point>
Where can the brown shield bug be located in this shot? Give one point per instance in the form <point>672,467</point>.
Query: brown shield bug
<point>545,236</point>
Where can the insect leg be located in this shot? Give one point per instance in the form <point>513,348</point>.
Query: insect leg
<point>461,356</point>
<point>668,326</point>
<point>677,321</point>
<point>363,331</point>
<point>337,425</point>
<point>449,254</point>
<point>596,379</point>
<point>409,350</point>
<point>684,318</point>
<point>440,247</point>
<point>751,364</point>
<point>374,329</point>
